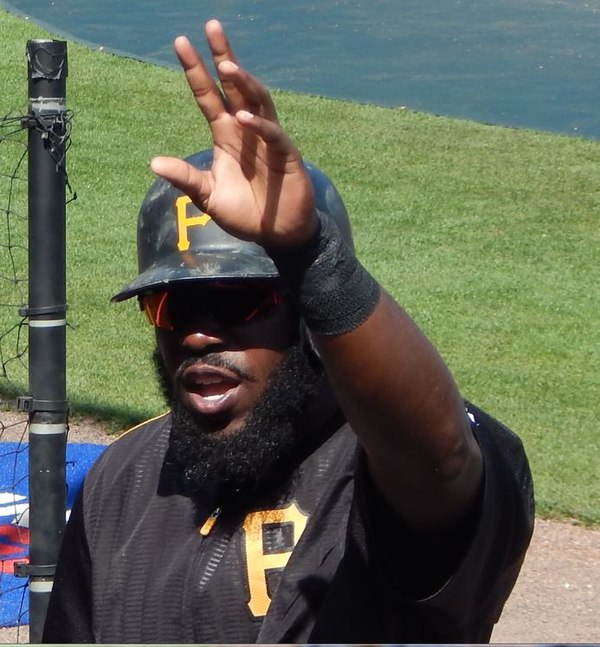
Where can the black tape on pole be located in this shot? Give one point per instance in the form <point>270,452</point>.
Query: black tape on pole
<point>47,402</point>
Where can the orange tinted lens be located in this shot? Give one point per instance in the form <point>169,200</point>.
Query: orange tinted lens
<point>155,307</point>
<point>231,306</point>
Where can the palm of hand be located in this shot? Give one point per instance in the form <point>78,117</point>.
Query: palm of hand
<point>258,196</point>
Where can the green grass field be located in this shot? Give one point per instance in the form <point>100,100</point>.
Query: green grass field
<point>487,235</point>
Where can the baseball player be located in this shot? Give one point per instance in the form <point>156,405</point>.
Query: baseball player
<point>318,477</point>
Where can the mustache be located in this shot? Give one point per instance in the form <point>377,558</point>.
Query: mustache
<point>216,360</point>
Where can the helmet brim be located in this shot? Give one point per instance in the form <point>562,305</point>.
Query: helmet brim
<point>181,267</point>
<point>210,253</point>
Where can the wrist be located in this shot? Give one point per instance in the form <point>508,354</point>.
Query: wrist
<point>332,290</point>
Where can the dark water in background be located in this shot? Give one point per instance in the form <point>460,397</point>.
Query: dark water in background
<point>524,63</point>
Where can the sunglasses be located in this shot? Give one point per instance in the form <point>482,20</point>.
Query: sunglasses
<point>225,304</point>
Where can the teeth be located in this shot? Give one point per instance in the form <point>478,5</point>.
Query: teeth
<point>212,387</point>
<point>211,380</point>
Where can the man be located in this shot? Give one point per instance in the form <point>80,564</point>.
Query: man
<point>318,478</point>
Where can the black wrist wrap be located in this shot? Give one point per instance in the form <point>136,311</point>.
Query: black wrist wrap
<point>332,290</point>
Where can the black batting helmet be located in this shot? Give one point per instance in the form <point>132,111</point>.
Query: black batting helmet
<point>177,243</point>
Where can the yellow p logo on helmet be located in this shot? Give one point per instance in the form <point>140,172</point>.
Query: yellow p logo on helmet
<point>184,222</point>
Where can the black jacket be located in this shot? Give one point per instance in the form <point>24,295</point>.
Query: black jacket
<point>320,560</point>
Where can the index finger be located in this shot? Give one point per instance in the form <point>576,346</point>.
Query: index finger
<point>201,83</point>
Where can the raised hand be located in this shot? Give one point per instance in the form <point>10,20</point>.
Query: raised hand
<point>257,188</point>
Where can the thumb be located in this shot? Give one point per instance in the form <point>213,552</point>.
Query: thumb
<point>193,182</point>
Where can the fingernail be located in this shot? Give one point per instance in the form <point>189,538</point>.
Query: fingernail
<point>228,66</point>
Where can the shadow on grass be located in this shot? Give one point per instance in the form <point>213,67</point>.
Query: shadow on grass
<point>115,419</point>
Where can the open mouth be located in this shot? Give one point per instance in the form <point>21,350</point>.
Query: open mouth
<point>212,387</point>
<point>210,390</point>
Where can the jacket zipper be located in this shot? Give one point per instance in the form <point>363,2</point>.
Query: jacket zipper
<point>209,524</point>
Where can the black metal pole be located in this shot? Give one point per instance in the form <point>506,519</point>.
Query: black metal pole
<point>46,312</point>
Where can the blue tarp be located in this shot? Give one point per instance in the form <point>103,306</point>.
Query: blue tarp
<point>14,533</point>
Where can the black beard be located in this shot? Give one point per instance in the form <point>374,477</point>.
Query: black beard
<point>277,435</point>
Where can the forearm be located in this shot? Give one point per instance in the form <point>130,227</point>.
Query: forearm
<point>404,406</point>
<point>391,383</point>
